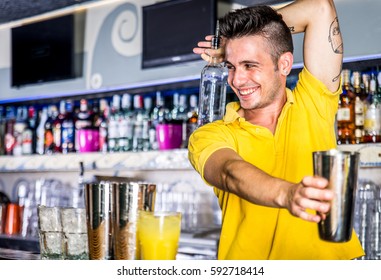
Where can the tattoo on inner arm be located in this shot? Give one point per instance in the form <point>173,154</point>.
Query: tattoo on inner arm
<point>337,77</point>
<point>336,41</point>
<point>335,37</point>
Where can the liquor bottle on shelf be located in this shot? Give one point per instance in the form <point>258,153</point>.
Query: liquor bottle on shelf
<point>40,132</point>
<point>346,114</point>
<point>147,124</point>
<point>372,123</point>
<point>179,107</point>
<point>113,125</point>
<point>191,123</point>
<point>57,126</point>
<point>101,123</point>
<point>213,84</point>
<point>137,142</point>
<point>68,129</point>
<point>83,120</point>
<point>9,140</point>
<point>49,146</point>
<point>29,136</point>
<point>19,128</point>
<point>160,112</point>
<point>359,107</point>
<point>126,124</point>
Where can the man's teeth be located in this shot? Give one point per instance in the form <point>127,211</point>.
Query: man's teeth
<point>246,91</point>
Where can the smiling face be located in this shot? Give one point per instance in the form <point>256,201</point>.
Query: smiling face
<point>253,76</point>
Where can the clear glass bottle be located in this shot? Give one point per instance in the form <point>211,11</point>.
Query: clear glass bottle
<point>126,124</point>
<point>113,125</point>
<point>160,113</point>
<point>137,143</point>
<point>213,85</point>
<point>41,130</point>
<point>372,123</point>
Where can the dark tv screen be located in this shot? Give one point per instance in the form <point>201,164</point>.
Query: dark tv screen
<point>171,29</point>
<point>43,51</point>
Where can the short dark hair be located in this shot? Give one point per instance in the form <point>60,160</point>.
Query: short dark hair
<point>259,20</point>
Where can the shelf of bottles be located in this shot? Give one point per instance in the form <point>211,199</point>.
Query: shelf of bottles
<point>359,112</point>
<point>122,122</point>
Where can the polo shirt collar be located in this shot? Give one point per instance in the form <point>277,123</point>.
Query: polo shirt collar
<point>232,108</point>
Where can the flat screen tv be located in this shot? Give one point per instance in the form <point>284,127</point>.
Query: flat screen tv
<point>171,29</point>
<point>44,51</point>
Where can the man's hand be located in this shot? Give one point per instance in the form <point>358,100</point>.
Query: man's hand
<point>310,193</point>
<point>204,49</point>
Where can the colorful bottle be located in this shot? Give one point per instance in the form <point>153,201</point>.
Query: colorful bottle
<point>49,146</point>
<point>68,129</point>
<point>83,120</point>
<point>101,123</point>
<point>29,136</point>
<point>346,114</point>
<point>57,126</point>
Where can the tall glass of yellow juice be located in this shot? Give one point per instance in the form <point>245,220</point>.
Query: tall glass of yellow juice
<point>158,235</point>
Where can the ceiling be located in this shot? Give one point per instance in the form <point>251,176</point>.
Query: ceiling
<point>11,10</point>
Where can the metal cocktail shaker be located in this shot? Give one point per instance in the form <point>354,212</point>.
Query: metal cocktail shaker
<point>129,199</point>
<point>99,216</point>
<point>341,169</point>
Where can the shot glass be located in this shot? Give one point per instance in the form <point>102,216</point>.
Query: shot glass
<point>158,235</point>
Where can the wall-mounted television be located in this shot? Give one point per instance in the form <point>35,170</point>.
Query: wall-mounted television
<point>44,51</point>
<point>171,29</point>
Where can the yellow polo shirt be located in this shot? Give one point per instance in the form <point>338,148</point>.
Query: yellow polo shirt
<point>306,124</point>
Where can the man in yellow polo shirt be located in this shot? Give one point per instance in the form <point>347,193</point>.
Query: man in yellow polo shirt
<point>259,157</point>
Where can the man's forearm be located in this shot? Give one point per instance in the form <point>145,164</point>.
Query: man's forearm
<point>229,172</point>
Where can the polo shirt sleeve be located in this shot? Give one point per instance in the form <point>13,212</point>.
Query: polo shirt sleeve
<point>315,94</point>
<point>207,139</point>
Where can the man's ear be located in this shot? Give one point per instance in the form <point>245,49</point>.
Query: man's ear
<point>285,63</point>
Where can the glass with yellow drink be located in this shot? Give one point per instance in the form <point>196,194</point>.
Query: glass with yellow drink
<point>158,235</point>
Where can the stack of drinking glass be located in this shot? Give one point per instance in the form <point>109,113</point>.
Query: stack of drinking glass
<point>367,222</point>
